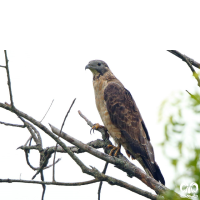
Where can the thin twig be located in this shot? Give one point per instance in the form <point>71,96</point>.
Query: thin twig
<point>9,82</point>
<point>85,118</point>
<point>47,110</point>
<point>27,141</point>
<point>43,185</point>
<point>111,180</point>
<point>54,157</point>
<point>2,66</point>
<point>32,132</point>
<point>27,160</point>
<point>101,182</point>
<point>59,159</point>
<point>48,183</point>
<point>102,129</point>
<point>15,125</point>
<point>67,114</point>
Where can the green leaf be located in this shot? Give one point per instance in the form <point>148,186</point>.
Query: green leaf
<point>174,162</point>
<point>177,131</point>
<point>166,132</point>
<point>179,112</point>
<point>180,144</point>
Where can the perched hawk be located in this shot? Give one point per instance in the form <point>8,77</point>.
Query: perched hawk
<point>122,118</point>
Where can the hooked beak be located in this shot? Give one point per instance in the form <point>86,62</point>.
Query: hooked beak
<point>87,67</point>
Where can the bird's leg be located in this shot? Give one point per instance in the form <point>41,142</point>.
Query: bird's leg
<point>113,149</point>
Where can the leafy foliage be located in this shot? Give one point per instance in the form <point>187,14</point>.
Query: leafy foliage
<point>181,145</point>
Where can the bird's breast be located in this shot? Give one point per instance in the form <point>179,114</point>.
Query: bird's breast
<point>99,87</point>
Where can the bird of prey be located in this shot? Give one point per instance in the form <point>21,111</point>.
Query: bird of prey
<point>122,118</point>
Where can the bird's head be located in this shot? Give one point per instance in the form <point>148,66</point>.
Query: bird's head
<point>97,67</point>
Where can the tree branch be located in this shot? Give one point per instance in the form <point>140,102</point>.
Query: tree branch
<point>48,183</point>
<point>9,82</point>
<point>178,54</point>
<point>101,183</point>
<point>188,61</point>
<point>125,166</point>
<point>15,125</point>
<point>95,144</point>
<point>47,110</point>
<point>58,137</point>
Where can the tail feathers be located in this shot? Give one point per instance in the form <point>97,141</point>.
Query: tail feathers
<point>159,174</point>
<point>155,170</point>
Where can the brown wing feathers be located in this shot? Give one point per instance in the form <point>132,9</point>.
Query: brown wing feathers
<point>125,115</point>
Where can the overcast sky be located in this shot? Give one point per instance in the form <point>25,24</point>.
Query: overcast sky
<point>51,44</point>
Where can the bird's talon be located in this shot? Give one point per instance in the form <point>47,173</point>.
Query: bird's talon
<point>95,127</point>
<point>113,149</point>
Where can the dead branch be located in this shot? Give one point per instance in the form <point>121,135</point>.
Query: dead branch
<point>48,183</point>
<point>97,144</point>
<point>111,180</point>
<point>189,62</point>
<point>178,54</point>
<point>101,183</point>
<point>57,143</point>
<point>9,82</point>
<point>15,125</point>
<point>122,164</point>
<point>47,110</point>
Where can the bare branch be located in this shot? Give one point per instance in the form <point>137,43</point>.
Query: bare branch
<point>34,133</point>
<point>67,114</point>
<point>28,148</point>
<point>100,184</point>
<point>44,159</point>
<point>59,159</point>
<point>178,54</point>
<point>189,61</point>
<point>47,110</point>
<point>57,143</point>
<point>15,125</point>
<point>103,131</point>
<point>2,66</point>
<point>85,118</point>
<point>27,160</point>
<point>95,144</point>
<point>49,183</point>
<point>48,132</point>
<point>27,141</point>
<point>9,82</point>
<point>111,180</point>
<point>126,166</point>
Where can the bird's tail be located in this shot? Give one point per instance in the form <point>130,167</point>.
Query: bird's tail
<point>154,170</point>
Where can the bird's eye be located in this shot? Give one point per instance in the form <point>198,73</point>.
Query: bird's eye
<point>99,64</point>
